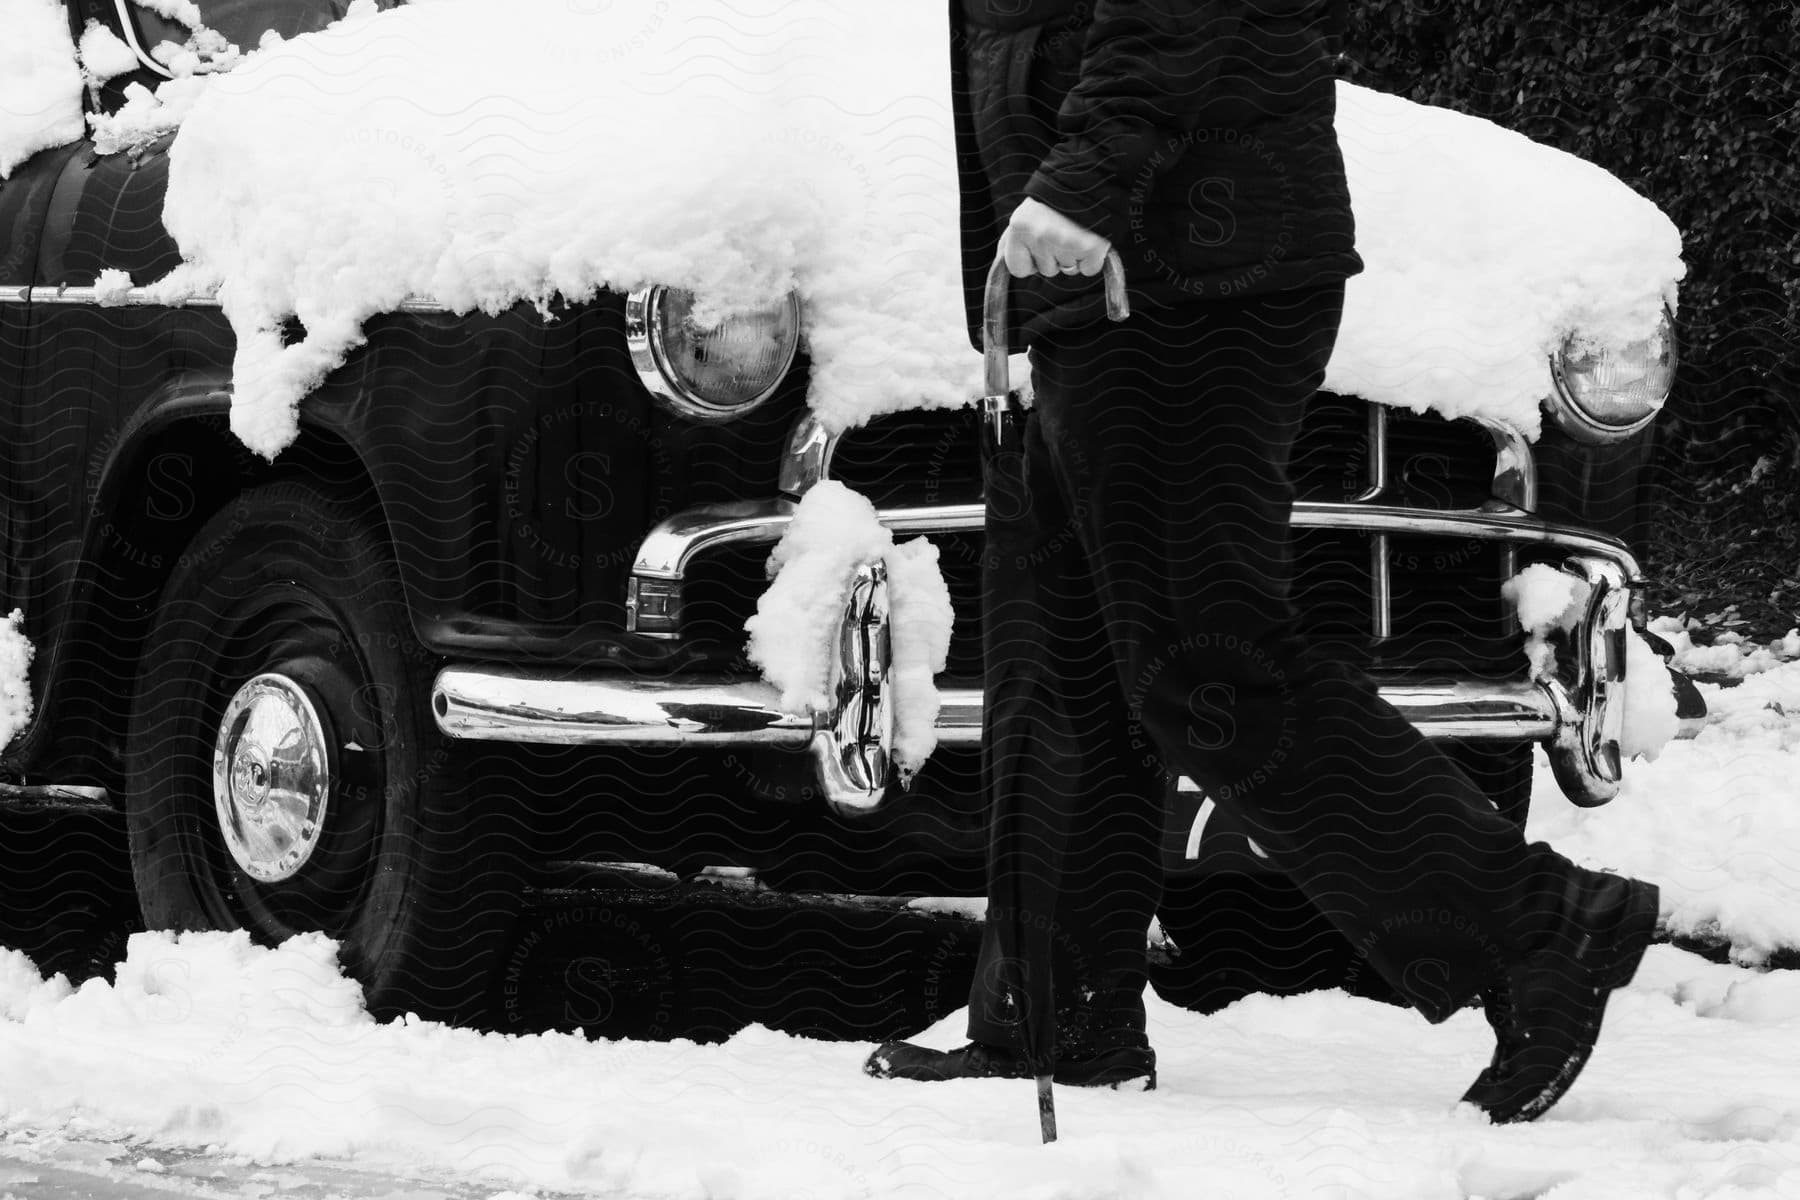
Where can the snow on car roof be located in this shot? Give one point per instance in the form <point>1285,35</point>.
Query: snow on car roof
<point>747,149</point>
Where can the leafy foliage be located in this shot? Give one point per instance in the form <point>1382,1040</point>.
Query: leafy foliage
<point>1696,104</point>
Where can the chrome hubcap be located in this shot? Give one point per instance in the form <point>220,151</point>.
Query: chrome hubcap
<point>271,777</point>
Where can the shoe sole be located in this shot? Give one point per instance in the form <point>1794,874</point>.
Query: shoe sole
<point>1135,1081</point>
<point>1131,1074</point>
<point>1127,1072</point>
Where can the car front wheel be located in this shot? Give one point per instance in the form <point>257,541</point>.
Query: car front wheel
<point>283,771</point>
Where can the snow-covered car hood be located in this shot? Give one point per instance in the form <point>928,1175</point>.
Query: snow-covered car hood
<point>748,149</point>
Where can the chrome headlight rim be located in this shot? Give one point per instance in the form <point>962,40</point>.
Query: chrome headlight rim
<point>644,338</point>
<point>1576,421</point>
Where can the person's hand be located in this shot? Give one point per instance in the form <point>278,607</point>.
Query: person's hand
<point>1041,241</point>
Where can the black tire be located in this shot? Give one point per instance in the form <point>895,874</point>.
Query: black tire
<point>410,868</point>
<point>1236,935</point>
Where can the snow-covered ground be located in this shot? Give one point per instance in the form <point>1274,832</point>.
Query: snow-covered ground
<point>261,1058</point>
<point>1715,821</point>
<point>212,1067</point>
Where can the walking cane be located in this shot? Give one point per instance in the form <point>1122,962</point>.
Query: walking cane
<point>1000,405</point>
<point>999,411</point>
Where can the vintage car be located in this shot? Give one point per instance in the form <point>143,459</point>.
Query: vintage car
<point>380,684</point>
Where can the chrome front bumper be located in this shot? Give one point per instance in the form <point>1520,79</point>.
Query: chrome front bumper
<point>507,705</point>
<point>1577,713</point>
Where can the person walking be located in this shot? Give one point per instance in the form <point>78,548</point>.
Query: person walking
<point>1138,622</point>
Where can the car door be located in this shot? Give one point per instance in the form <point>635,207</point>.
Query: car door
<point>25,198</point>
<point>68,213</point>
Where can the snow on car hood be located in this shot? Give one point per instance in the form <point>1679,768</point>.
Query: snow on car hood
<point>442,150</point>
<point>1483,252</point>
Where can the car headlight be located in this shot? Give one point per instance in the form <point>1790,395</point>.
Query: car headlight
<point>1604,395</point>
<point>709,373</point>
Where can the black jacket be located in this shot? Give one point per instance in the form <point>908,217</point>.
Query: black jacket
<point>1196,135</point>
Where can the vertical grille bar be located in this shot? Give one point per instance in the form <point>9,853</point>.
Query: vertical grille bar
<point>1381,589</point>
<point>1375,461</point>
<point>1381,584</point>
<point>1378,450</point>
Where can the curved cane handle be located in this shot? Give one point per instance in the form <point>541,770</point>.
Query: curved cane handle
<point>993,316</point>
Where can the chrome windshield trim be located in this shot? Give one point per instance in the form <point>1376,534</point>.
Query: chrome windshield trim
<point>129,28</point>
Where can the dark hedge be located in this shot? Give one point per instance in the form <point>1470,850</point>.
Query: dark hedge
<point>1694,104</point>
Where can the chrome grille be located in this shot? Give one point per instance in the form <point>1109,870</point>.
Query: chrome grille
<point>1347,451</point>
<point>1382,600</point>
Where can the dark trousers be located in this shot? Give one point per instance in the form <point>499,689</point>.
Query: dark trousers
<point>1138,626</point>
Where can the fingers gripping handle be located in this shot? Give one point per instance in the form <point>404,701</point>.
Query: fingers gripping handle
<point>998,400</point>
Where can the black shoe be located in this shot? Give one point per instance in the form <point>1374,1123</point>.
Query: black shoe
<point>1546,1013</point>
<point>1131,1068</point>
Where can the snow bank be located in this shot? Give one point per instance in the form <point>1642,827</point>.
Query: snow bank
<point>1731,654</point>
<point>794,632</point>
<point>15,680</point>
<point>1483,251</point>
<point>1715,821</point>
<point>209,1041</point>
<point>40,85</point>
